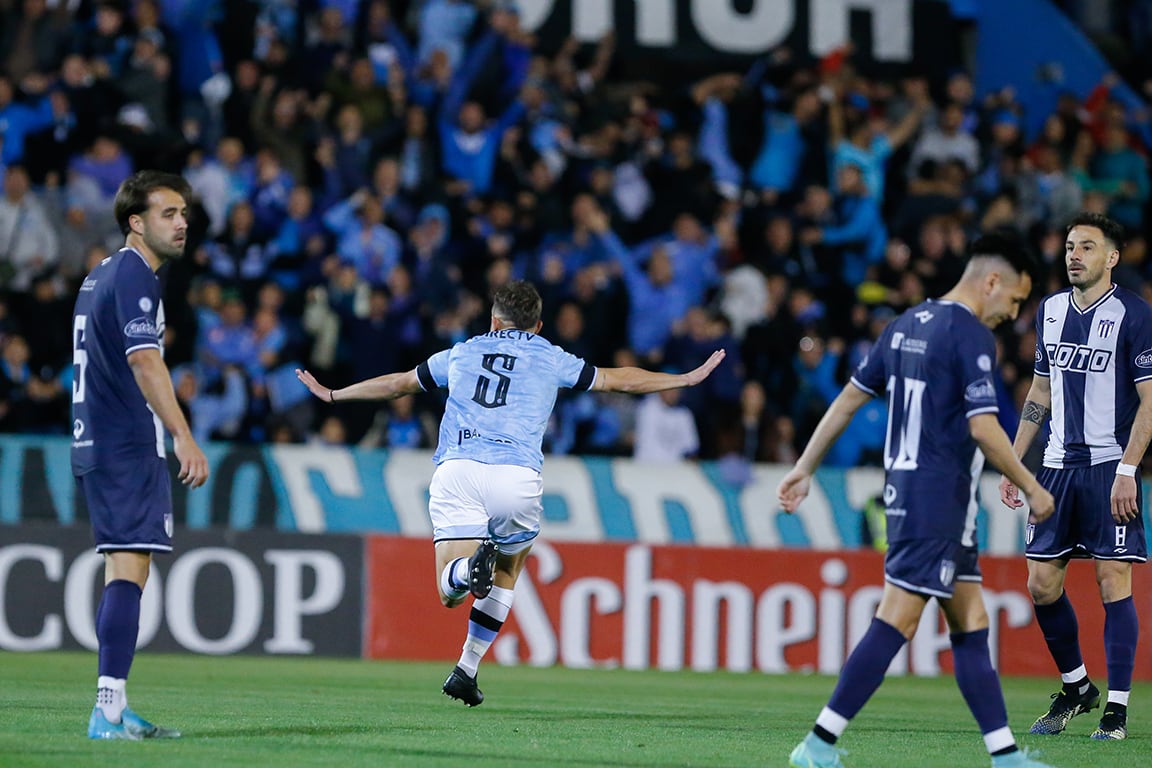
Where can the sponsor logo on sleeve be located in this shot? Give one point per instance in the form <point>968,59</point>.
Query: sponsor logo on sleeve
<point>980,391</point>
<point>142,328</point>
<point>1039,355</point>
<point>1144,359</point>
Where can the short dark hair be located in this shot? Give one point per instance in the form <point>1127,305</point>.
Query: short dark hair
<point>132,197</point>
<point>519,304</point>
<point>1113,230</point>
<point>1008,247</point>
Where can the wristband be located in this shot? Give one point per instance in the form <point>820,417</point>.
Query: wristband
<point>332,397</point>
<point>1126,470</point>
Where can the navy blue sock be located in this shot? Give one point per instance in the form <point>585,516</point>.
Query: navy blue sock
<point>1061,632</point>
<point>865,668</point>
<point>1121,631</point>
<point>117,625</point>
<point>978,681</point>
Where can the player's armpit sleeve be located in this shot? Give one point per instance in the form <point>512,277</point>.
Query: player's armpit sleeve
<point>137,297</point>
<point>976,355</point>
<point>1041,366</point>
<point>860,386</point>
<point>1140,344</point>
<point>433,372</point>
<point>425,377</point>
<point>587,378</point>
<point>572,371</point>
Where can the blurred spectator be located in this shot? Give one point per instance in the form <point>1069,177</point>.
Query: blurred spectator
<point>211,414</point>
<point>28,241</point>
<point>665,430</point>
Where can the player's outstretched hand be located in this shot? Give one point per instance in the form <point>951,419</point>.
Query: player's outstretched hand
<point>793,489</point>
<point>1124,508</point>
<point>193,462</point>
<point>315,387</point>
<point>1010,494</point>
<point>1041,505</point>
<point>698,375</point>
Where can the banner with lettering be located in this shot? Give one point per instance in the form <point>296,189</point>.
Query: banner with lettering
<point>673,38</point>
<point>702,608</point>
<point>312,489</point>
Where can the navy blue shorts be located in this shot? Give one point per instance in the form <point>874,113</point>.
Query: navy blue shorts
<point>931,566</point>
<point>130,505</point>
<point>1082,525</point>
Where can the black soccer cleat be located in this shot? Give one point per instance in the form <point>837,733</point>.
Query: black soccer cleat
<point>462,687</point>
<point>1113,726</point>
<point>1066,706</point>
<point>480,569</point>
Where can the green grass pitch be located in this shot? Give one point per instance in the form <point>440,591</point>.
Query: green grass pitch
<point>244,711</point>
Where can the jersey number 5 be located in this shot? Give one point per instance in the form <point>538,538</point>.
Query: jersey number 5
<point>499,392</point>
<point>79,357</point>
<point>904,423</point>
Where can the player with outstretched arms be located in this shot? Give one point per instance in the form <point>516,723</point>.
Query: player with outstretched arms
<point>485,496</point>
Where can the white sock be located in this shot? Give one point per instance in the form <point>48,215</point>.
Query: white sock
<point>1075,676</point>
<point>456,572</point>
<point>111,698</point>
<point>494,609</point>
<point>1118,697</point>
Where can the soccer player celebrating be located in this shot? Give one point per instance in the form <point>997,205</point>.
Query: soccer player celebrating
<point>485,494</point>
<point>935,362</point>
<point>1094,378</point>
<point>122,400</point>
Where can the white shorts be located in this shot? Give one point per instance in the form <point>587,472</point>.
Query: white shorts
<point>470,500</point>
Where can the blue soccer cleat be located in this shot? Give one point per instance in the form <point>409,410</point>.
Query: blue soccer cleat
<point>814,752</point>
<point>100,728</point>
<point>1021,758</point>
<point>143,729</point>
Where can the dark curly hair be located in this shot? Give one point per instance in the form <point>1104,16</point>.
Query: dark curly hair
<point>1113,230</point>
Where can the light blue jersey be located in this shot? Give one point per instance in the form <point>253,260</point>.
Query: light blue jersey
<point>501,389</point>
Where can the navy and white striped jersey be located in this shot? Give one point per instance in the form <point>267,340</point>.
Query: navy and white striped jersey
<point>501,389</point>
<point>935,361</point>
<point>118,311</point>
<point>1093,358</point>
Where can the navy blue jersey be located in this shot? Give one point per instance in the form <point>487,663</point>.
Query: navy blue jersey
<point>935,362</point>
<point>501,389</point>
<point>1093,358</point>
<point>118,311</point>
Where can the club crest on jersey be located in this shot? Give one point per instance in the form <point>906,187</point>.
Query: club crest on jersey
<point>142,327</point>
<point>947,572</point>
<point>145,304</point>
<point>1105,327</point>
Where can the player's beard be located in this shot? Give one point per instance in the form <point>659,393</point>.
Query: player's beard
<point>1086,278</point>
<point>165,250</point>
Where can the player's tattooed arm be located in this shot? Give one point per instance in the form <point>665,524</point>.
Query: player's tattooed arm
<point>1035,413</point>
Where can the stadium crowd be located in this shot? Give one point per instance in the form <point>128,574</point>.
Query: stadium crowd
<point>366,173</point>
